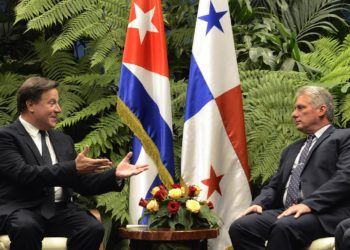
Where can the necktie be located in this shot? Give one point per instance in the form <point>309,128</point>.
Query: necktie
<point>47,208</point>
<point>294,183</point>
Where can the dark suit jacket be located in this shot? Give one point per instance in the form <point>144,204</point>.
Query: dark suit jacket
<point>325,180</point>
<point>24,179</point>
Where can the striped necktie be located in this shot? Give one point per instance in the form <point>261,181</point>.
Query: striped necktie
<point>294,183</point>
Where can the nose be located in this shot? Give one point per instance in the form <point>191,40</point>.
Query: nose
<point>58,108</point>
<point>294,113</point>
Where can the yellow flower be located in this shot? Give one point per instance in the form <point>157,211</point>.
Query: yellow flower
<point>175,193</point>
<point>198,190</point>
<point>152,206</point>
<point>155,190</point>
<point>193,206</point>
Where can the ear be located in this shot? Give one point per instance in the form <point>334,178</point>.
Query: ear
<point>30,106</point>
<point>322,110</point>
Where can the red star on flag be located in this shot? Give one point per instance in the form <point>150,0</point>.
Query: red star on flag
<point>213,182</point>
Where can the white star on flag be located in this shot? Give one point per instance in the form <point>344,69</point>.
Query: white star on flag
<point>143,22</point>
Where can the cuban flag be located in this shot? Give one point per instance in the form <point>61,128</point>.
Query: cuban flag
<point>144,100</point>
<point>214,153</point>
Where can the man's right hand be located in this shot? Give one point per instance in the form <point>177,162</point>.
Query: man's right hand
<point>85,164</point>
<point>252,209</point>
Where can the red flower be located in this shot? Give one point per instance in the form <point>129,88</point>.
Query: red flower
<point>173,207</point>
<point>176,185</point>
<point>210,205</point>
<point>143,202</point>
<point>160,195</point>
<point>192,190</point>
<point>163,188</point>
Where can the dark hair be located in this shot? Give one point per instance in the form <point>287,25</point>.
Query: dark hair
<point>32,89</point>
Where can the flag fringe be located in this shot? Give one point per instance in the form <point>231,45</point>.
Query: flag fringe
<point>151,149</point>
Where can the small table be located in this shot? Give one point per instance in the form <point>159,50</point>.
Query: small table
<point>148,238</point>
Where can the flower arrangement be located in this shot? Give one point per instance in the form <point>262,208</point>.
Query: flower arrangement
<point>178,208</point>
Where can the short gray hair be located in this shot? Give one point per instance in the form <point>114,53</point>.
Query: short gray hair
<point>318,96</point>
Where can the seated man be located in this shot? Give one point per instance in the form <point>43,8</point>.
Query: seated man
<point>308,196</point>
<point>39,170</point>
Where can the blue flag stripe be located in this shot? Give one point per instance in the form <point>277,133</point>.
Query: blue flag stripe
<point>137,99</point>
<point>198,93</point>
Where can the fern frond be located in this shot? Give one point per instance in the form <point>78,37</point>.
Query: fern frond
<point>93,109</point>
<point>56,66</point>
<point>103,47</point>
<point>268,103</point>
<point>28,9</point>
<point>117,204</point>
<point>89,80</point>
<point>58,13</point>
<point>104,135</point>
<point>75,28</point>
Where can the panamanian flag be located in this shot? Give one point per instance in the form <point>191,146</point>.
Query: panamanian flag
<point>214,153</point>
<point>144,100</point>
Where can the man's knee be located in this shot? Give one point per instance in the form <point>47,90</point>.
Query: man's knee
<point>282,225</point>
<point>27,227</point>
<point>237,228</point>
<point>94,227</point>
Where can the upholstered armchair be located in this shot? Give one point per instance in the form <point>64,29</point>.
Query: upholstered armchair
<point>49,243</point>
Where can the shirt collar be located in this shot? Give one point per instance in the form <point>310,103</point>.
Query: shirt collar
<point>31,129</point>
<point>320,132</point>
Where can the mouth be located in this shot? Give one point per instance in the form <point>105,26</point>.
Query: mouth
<point>54,118</point>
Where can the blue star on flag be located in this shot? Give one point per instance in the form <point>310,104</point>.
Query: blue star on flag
<point>213,18</point>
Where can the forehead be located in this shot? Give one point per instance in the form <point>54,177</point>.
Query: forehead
<point>303,99</point>
<point>50,94</point>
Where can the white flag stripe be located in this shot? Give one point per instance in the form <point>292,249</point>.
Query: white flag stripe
<point>144,179</point>
<point>156,86</point>
<point>223,56</point>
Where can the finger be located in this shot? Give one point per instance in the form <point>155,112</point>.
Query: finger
<point>101,162</point>
<point>247,211</point>
<point>85,150</point>
<point>142,166</point>
<point>282,215</point>
<point>259,210</point>
<point>297,214</point>
<point>101,169</point>
<point>127,157</point>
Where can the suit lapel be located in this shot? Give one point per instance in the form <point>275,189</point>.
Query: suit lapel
<point>326,133</point>
<point>27,139</point>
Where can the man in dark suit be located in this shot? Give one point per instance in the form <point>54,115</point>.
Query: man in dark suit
<point>39,170</point>
<point>308,196</point>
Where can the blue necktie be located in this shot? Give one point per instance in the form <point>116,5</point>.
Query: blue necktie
<point>47,208</point>
<point>294,183</point>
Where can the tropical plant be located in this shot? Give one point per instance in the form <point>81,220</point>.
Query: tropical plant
<point>101,21</point>
<point>281,29</point>
<point>331,63</point>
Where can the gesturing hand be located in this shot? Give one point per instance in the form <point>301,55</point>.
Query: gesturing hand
<point>85,164</point>
<point>125,169</point>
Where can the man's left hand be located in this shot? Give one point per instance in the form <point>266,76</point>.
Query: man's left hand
<point>298,210</point>
<point>125,169</point>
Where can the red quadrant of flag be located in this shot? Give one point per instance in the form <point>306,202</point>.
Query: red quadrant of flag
<point>145,43</point>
